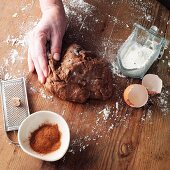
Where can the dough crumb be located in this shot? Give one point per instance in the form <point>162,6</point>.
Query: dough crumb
<point>16,101</point>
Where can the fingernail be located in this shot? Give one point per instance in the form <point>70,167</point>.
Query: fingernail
<point>56,56</point>
<point>41,80</point>
<point>30,70</point>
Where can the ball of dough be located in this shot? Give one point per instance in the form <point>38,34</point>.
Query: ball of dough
<point>80,76</point>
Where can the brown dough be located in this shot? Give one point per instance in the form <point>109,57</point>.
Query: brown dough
<point>80,76</point>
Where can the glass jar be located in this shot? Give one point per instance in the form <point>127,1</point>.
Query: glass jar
<point>140,50</point>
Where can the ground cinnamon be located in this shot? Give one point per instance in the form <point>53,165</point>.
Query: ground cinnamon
<point>45,139</point>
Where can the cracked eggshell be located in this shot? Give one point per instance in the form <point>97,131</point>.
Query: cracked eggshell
<point>153,83</point>
<point>136,95</point>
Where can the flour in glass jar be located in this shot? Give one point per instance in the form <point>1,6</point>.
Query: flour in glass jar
<point>136,56</point>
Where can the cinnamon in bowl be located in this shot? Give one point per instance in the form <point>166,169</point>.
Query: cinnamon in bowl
<point>45,139</point>
<point>44,135</point>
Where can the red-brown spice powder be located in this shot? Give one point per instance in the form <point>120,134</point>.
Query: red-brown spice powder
<point>45,139</point>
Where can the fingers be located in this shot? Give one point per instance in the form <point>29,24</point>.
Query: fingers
<point>41,76</point>
<point>56,43</point>
<point>30,62</point>
<point>37,55</point>
<point>37,59</point>
<point>40,52</point>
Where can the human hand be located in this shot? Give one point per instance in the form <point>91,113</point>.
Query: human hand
<point>50,28</point>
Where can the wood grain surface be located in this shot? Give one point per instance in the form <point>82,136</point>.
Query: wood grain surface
<point>104,135</point>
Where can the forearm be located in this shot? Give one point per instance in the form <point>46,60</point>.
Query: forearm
<point>46,4</point>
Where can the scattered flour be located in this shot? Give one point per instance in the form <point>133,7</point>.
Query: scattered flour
<point>7,76</point>
<point>42,93</point>
<point>63,112</point>
<point>33,89</point>
<point>13,56</point>
<point>45,96</point>
<point>147,116</point>
<point>75,9</point>
<point>14,15</point>
<point>105,120</point>
<point>148,17</point>
<point>23,9</point>
<point>164,102</point>
<point>27,7</point>
<point>17,41</point>
<point>106,112</point>
<point>117,105</point>
<point>169,63</point>
<point>79,5</point>
<point>80,143</point>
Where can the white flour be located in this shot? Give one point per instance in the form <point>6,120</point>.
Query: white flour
<point>78,5</point>
<point>13,56</point>
<point>7,76</point>
<point>148,17</point>
<point>163,101</point>
<point>136,56</point>
<point>106,111</point>
<point>45,96</point>
<point>17,41</point>
<point>169,63</point>
<point>14,15</point>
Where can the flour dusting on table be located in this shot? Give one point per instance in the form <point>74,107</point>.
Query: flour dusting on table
<point>45,96</point>
<point>14,15</point>
<point>17,41</point>
<point>79,5</point>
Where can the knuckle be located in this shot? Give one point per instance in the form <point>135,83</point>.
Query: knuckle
<point>40,35</point>
<point>56,49</point>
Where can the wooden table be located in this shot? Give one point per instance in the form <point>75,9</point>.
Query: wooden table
<point>104,135</point>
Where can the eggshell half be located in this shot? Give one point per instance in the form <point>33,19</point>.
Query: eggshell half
<point>136,95</point>
<point>153,83</point>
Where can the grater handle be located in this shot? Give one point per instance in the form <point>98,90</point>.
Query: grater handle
<point>10,140</point>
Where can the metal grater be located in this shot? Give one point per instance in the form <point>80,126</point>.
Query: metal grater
<point>13,116</point>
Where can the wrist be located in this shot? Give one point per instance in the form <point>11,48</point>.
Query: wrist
<point>51,5</point>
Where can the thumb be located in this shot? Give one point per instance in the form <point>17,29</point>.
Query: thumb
<point>56,43</point>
